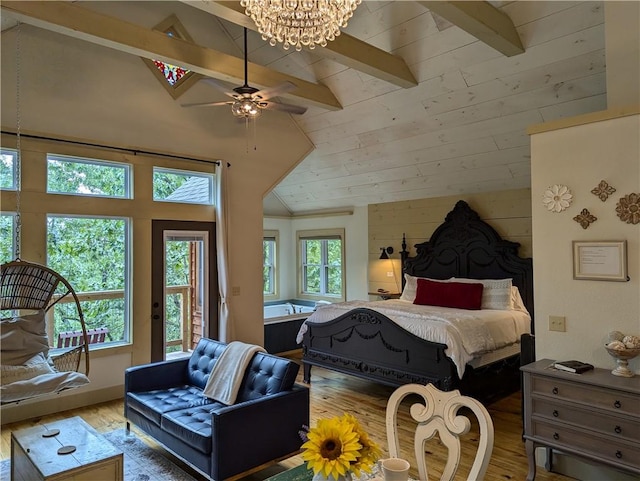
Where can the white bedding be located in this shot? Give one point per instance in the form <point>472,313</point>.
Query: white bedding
<point>468,334</point>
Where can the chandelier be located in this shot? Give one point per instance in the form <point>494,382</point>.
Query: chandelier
<point>300,23</point>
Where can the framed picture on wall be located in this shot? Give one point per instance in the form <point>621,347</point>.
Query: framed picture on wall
<point>600,260</point>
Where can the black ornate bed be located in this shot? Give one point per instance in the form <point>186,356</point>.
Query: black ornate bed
<point>367,344</point>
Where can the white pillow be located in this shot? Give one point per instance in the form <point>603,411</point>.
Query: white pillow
<point>496,293</point>
<point>517,304</point>
<point>23,337</point>
<point>33,367</point>
<point>411,286</point>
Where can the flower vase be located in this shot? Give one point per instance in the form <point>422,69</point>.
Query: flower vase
<point>322,477</point>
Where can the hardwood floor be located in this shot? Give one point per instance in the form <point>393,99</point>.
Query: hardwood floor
<point>332,394</point>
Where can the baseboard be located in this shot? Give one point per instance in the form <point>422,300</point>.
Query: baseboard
<point>54,403</point>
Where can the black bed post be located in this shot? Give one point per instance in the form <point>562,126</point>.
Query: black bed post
<point>404,255</point>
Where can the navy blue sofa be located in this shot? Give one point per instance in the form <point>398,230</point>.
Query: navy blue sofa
<point>165,400</point>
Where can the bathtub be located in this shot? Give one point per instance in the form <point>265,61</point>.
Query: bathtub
<point>286,310</point>
<point>281,325</point>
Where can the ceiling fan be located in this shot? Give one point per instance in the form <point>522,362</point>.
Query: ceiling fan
<point>249,102</point>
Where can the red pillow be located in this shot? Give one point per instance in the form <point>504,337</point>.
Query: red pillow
<point>460,295</point>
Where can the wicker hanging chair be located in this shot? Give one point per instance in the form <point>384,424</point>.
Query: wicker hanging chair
<point>34,287</point>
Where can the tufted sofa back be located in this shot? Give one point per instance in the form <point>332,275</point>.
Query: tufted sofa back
<point>266,374</point>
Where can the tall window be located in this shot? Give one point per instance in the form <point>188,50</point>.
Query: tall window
<point>269,243</point>
<point>8,161</point>
<point>92,253</point>
<point>7,234</point>
<point>321,262</point>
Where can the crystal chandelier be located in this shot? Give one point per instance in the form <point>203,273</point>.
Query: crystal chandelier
<point>300,23</point>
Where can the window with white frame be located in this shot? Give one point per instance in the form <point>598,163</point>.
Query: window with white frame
<point>8,169</point>
<point>7,237</point>
<point>321,261</point>
<point>78,176</point>
<point>93,254</point>
<point>171,185</point>
<point>269,269</point>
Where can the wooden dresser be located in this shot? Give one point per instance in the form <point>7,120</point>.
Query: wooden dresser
<point>594,415</point>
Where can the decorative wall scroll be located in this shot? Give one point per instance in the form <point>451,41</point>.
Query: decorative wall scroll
<point>557,198</point>
<point>601,260</point>
<point>603,190</point>
<point>628,208</point>
<point>585,218</point>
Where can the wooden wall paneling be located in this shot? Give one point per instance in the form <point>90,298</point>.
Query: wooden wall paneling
<point>508,211</point>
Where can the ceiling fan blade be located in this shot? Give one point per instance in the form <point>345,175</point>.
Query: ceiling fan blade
<point>274,91</point>
<point>220,86</point>
<point>206,104</point>
<point>292,109</point>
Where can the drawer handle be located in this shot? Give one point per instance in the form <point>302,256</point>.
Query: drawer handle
<point>555,390</point>
<point>618,429</point>
<point>619,454</point>
<point>555,413</point>
<point>617,404</point>
<point>556,436</point>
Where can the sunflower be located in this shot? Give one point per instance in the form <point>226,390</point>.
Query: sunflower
<point>331,447</point>
<point>370,451</point>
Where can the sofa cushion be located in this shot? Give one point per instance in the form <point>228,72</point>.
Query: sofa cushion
<point>153,404</point>
<point>267,374</point>
<point>202,359</point>
<point>191,425</point>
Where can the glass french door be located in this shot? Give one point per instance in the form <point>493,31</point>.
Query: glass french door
<point>184,287</point>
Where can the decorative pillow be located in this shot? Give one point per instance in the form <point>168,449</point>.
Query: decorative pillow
<point>461,295</point>
<point>496,293</point>
<point>23,337</point>
<point>410,287</point>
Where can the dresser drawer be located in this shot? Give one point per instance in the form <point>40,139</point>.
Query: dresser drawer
<point>598,421</point>
<point>614,401</point>
<point>623,454</point>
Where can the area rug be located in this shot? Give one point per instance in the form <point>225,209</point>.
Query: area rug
<point>141,462</point>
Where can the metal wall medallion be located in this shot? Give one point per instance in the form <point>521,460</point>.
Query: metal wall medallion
<point>585,218</point>
<point>628,208</point>
<point>603,190</point>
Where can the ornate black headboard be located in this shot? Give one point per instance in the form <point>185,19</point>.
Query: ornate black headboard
<point>465,246</point>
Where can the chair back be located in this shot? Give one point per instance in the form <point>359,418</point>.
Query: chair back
<point>439,414</point>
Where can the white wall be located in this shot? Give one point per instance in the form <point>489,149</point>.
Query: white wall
<point>356,251</point>
<point>580,157</point>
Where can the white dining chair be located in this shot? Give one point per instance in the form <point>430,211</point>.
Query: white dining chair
<point>439,414</point>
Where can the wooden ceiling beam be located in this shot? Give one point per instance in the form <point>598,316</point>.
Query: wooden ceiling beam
<point>483,21</point>
<point>74,21</point>
<point>345,49</point>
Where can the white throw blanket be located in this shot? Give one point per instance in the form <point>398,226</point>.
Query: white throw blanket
<point>228,371</point>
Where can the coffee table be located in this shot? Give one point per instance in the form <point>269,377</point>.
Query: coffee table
<point>39,454</point>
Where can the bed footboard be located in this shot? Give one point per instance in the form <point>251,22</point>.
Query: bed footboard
<point>367,344</point>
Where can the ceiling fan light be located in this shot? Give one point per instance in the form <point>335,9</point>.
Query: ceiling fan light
<point>246,108</point>
<point>300,22</point>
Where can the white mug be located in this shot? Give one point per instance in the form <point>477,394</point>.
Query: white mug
<point>395,469</point>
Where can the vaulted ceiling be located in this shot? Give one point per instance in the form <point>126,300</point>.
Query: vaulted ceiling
<point>414,100</point>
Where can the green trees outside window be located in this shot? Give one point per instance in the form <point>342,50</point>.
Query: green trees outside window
<point>322,266</point>
<point>269,266</point>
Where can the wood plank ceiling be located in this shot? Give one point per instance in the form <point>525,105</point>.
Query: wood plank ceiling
<point>414,100</point>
